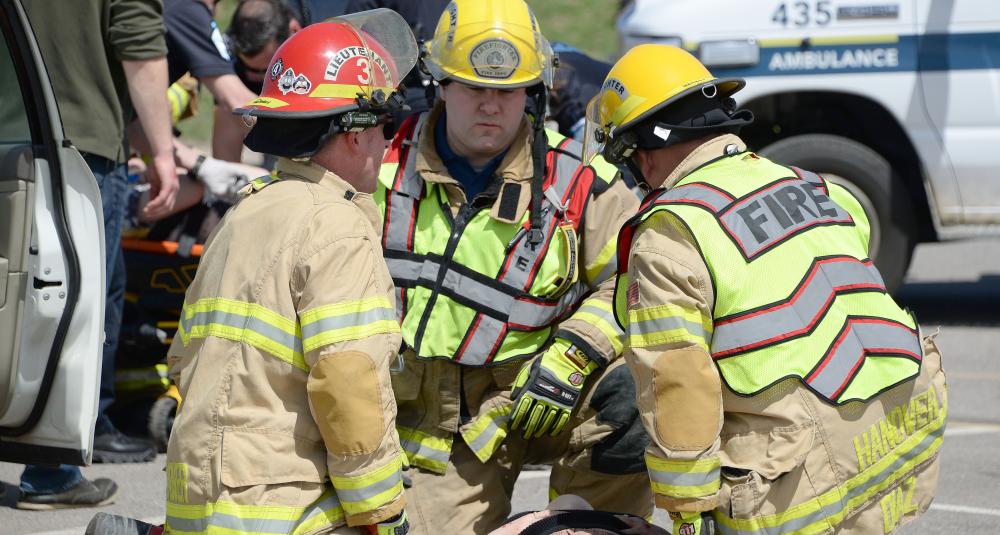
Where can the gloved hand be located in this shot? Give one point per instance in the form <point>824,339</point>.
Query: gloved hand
<point>222,179</point>
<point>397,525</point>
<point>546,390</point>
<point>687,524</point>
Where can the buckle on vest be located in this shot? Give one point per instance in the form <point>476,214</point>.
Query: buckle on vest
<point>551,196</point>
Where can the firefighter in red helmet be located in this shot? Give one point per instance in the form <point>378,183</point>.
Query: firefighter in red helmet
<point>287,332</point>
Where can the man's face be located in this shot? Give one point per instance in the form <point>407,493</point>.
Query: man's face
<point>256,65</point>
<point>482,122</point>
<point>372,143</point>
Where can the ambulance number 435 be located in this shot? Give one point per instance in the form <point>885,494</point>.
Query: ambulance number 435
<point>803,13</point>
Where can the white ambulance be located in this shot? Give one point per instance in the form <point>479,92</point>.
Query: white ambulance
<point>897,100</point>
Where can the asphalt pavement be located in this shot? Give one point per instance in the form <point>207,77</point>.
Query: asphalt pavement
<point>953,286</point>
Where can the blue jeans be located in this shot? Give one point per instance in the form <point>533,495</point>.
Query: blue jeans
<point>112,178</point>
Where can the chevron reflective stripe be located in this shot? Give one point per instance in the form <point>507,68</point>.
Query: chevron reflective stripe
<point>859,338</point>
<point>372,490</point>
<point>684,479</point>
<point>487,432</point>
<point>424,450</point>
<point>810,177</point>
<point>698,193</point>
<point>667,324</point>
<point>243,322</point>
<point>349,320</point>
<point>799,313</point>
<point>599,313</point>
<point>829,509</point>
<point>226,517</point>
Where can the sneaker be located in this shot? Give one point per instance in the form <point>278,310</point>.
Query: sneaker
<point>116,447</point>
<point>107,524</point>
<point>86,493</point>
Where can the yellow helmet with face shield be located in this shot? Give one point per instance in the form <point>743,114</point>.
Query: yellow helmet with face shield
<point>654,96</point>
<point>489,43</point>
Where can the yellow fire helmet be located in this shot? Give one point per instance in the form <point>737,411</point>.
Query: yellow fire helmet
<point>489,43</point>
<point>646,80</point>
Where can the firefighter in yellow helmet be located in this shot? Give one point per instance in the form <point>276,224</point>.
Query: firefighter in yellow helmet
<point>784,390</point>
<point>501,244</point>
<point>288,330</point>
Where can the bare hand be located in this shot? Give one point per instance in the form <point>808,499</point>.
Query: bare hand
<point>163,186</point>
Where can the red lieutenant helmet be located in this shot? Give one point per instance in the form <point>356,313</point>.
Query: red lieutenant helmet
<point>333,76</point>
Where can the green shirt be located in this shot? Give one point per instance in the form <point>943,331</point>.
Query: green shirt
<point>83,44</point>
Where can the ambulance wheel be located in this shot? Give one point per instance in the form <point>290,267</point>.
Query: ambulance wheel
<point>161,420</point>
<point>867,175</point>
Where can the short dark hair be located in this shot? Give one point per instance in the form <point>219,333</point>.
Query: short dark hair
<point>256,22</point>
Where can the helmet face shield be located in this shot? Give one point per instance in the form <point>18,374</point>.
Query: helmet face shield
<point>595,136</point>
<point>490,43</point>
<point>390,50</point>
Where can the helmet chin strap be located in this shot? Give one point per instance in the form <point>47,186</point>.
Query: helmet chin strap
<point>640,179</point>
<point>539,149</point>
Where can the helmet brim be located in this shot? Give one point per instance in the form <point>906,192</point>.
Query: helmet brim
<point>255,111</point>
<point>726,87</point>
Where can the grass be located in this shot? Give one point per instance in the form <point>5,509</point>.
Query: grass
<point>586,24</point>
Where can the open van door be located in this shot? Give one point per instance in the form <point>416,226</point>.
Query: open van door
<point>51,266</point>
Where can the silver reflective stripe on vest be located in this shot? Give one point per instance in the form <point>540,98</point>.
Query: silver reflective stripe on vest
<point>480,344</point>
<point>697,193</point>
<point>402,198</point>
<point>524,312</point>
<point>527,314</point>
<point>859,338</point>
<point>808,176</point>
<point>404,269</point>
<point>763,219</point>
<point>522,315</point>
<point>522,269</point>
<point>800,312</point>
<point>401,207</point>
<point>522,265</point>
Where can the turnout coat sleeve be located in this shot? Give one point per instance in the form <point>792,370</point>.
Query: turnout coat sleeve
<point>343,298</point>
<point>593,327</point>
<point>670,301</point>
